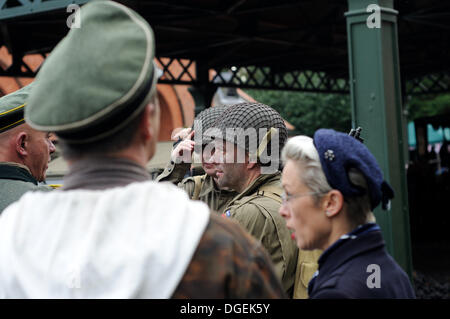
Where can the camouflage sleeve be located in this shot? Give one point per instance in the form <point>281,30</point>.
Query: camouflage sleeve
<point>173,173</point>
<point>263,276</point>
<point>228,263</point>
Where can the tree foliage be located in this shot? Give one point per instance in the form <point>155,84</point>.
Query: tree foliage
<point>311,111</point>
<point>308,111</point>
<point>423,106</point>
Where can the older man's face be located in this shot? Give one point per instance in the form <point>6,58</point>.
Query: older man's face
<point>39,148</point>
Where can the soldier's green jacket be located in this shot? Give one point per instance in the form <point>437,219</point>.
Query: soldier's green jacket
<point>200,188</point>
<point>16,180</point>
<point>257,210</point>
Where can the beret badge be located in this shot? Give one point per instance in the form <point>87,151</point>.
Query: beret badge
<point>329,155</point>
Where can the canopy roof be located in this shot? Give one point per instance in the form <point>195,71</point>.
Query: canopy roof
<point>278,44</point>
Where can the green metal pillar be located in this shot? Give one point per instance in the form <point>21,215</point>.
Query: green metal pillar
<point>375,90</point>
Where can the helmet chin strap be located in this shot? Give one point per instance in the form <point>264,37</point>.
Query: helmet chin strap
<point>264,141</point>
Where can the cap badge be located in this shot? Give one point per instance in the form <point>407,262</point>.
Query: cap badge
<point>329,155</point>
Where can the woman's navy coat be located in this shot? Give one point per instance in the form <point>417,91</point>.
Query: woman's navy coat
<point>358,266</point>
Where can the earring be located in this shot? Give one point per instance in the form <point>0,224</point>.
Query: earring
<point>327,213</point>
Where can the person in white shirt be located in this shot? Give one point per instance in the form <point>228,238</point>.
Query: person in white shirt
<point>110,232</point>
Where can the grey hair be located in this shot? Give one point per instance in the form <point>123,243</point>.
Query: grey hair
<point>302,151</point>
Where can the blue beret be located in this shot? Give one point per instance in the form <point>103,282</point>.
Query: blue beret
<point>338,152</point>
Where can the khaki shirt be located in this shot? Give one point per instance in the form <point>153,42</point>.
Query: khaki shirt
<point>306,267</point>
<point>256,209</point>
<point>206,191</point>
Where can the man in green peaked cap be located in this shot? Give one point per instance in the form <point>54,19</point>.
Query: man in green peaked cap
<point>24,151</point>
<point>110,232</point>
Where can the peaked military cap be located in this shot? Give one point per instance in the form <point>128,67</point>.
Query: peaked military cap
<point>11,108</point>
<point>98,78</point>
<point>338,152</point>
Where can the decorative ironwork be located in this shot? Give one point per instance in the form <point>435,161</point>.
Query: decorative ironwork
<point>19,67</point>
<point>268,78</point>
<point>429,84</point>
<point>183,72</point>
<point>176,71</point>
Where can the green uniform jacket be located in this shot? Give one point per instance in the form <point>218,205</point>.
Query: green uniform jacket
<point>200,188</point>
<point>16,180</point>
<point>256,209</point>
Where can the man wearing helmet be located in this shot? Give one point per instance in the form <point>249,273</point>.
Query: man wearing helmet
<point>201,187</point>
<point>247,140</point>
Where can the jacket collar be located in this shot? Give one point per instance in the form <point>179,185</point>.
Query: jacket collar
<point>364,238</point>
<point>209,184</point>
<point>263,179</point>
<point>16,172</point>
<point>103,172</point>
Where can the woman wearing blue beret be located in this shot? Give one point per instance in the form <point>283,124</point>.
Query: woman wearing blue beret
<point>331,185</point>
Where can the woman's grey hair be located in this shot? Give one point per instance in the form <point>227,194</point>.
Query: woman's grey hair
<point>302,151</point>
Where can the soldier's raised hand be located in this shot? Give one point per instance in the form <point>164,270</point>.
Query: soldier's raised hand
<point>182,153</point>
<point>182,134</point>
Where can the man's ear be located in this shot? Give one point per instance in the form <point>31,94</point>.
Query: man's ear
<point>21,144</point>
<point>333,202</point>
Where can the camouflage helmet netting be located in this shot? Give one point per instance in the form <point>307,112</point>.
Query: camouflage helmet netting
<point>208,117</point>
<point>251,115</point>
<point>204,121</point>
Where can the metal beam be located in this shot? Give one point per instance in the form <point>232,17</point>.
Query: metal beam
<point>261,77</point>
<point>375,91</point>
